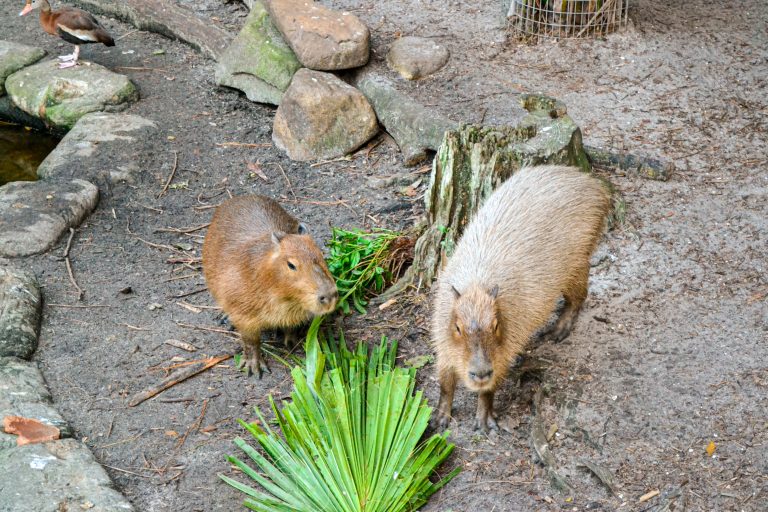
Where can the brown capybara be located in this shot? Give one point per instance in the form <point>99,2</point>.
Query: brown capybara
<point>265,271</point>
<point>528,245</point>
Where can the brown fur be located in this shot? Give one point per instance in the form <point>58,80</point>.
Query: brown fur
<point>246,256</point>
<point>526,247</point>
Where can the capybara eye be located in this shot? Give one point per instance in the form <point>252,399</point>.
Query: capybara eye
<point>291,266</point>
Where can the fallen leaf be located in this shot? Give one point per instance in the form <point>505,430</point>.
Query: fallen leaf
<point>552,432</point>
<point>255,168</point>
<point>711,448</point>
<point>30,431</point>
<point>171,433</point>
<point>419,361</point>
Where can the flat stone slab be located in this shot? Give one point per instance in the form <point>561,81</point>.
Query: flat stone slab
<point>62,96</point>
<point>34,214</point>
<point>54,477</point>
<point>323,39</point>
<point>23,393</point>
<point>101,145</point>
<point>258,62</point>
<point>416,129</point>
<point>15,56</point>
<point>20,303</point>
<point>322,117</point>
<point>416,57</point>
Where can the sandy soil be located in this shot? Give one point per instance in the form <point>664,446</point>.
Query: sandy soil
<point>669,354</point>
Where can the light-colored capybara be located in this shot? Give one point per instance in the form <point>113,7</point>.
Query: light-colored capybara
<point>265,271</point>
<point>528,246</point>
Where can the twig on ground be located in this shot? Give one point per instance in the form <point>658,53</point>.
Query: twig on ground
<point>78,306</point>
<point>187,294</point>
<point>290,187</point>
<point>133,327</point>
<point>125,471</point>
<point>209,329</point>
<point>243,145</point>
<point>69,265</point>
<point>170,176</point>
<point>120,38</point>
<point>176,378</point>
<point>182,230</point>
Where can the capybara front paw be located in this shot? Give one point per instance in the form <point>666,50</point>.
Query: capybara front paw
<point>254,363</point>
<point>485,424</point>
<point>441,421</point>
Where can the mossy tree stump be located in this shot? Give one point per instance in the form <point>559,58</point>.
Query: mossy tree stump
<point>472,161</point>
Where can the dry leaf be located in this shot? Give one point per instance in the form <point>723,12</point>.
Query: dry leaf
<point>255,168</point>
<point>29,430</point>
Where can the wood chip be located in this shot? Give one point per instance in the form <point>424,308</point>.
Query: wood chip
<point>189,307</point>
<point>647,496</point>
<point>387,304</point>
<point>183,345</point>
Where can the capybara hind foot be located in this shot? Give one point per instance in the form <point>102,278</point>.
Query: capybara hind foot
<point>290,338</point>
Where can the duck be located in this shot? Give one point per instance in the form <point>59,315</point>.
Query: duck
<point>73,25</point>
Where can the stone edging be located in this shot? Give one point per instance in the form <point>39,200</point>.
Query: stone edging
<point>52,476</point>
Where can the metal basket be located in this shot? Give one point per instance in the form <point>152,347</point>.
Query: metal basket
<point>561,19</point>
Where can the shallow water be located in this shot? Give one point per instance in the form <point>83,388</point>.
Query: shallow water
<point>21,152</point>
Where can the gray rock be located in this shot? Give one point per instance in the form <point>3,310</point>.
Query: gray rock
<point>13,114</point>
<point>56,476</point>
<point>416,57</point>
<point>322,117</point>
<point>13,57</point>
<point>415,129</point>
<point>62,96</point>
<point>23,393</point>
<point>20,303</point>
<point>323,39</point>
<point>100,145</point>
<point>34,214</point>
<point>258,62</point>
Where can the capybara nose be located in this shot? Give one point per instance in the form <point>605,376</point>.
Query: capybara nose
<point>481,376</point>
<point>328,298</point>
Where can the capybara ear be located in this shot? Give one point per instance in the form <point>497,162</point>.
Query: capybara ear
<point>302,229</point>
<point>456,293</point>
<point>277,236</point>
<point>494,292</point>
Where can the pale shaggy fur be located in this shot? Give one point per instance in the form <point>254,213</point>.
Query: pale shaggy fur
<point>532,238</point>
<point>246,252</point>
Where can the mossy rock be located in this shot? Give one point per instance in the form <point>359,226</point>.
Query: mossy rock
<point>15,56</point>
<point>62,96</point>
<point>258,62</point>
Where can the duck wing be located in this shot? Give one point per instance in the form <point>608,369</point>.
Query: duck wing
<point>80,27</point>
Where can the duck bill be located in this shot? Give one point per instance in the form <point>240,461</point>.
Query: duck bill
<point>27,9</point>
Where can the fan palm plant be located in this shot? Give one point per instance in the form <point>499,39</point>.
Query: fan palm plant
<point>351,437</point>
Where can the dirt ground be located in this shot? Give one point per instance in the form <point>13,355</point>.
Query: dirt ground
<point>670,352</point>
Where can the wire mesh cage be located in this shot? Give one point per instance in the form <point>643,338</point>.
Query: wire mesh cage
<point>561,19</point>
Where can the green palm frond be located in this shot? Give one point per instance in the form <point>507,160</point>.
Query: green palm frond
<point>351,436</point>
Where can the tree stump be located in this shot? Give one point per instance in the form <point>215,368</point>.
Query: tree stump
<point>471,162</point>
